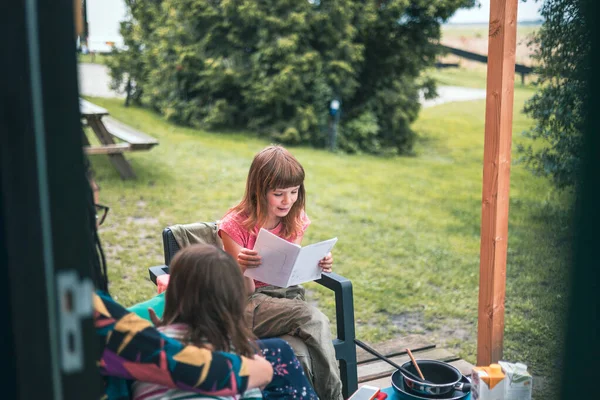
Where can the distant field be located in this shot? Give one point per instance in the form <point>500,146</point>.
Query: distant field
<point>474,37</point>
<point>480,30</point>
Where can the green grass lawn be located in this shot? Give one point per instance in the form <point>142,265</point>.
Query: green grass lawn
<point>96,58</point>
<point>408,227</point>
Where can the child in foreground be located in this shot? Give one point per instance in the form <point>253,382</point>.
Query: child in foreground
<point>132,349</point>
<point>204,306</point>
<point>274,200</point>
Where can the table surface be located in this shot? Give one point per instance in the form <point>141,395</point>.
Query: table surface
<point>394,395</point>
<point>89,109</point>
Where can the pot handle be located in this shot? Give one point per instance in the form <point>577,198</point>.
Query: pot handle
<point>464,387</point>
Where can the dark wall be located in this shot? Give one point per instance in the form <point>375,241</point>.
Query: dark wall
<point>43,209</point>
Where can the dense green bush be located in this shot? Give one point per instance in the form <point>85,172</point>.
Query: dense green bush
<point>273,66</point>
<point>558,107</point>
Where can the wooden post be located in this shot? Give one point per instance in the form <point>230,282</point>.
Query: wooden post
<point>496,179</point>
<point>78,15</point>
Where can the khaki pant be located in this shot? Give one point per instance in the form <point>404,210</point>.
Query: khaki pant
<point>276,312</point>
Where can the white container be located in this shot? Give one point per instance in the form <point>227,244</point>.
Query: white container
<point>518,382</point>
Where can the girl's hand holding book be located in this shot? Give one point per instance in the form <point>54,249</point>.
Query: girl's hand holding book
<point>248,258</point>
<point>326,263</point>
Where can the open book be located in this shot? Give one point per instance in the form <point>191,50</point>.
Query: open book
<point>285,264</point>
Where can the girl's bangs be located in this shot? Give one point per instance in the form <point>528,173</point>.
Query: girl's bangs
<point>287,176</point>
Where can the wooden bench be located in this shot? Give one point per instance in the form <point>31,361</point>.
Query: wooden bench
<point>116,148</point>
<point>106,130</point>
<point>136,139</point>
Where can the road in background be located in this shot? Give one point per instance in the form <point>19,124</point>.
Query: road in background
<point>94,81</point>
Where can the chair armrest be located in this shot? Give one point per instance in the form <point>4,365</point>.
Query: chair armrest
<point>345,349</point>
<point>344,303</point>
<point>156,271</point>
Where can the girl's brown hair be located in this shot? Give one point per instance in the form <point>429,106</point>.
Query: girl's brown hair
<point>206,291</point>
<point>273,168</point>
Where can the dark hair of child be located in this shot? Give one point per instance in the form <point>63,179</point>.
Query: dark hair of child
<point>206,292</point>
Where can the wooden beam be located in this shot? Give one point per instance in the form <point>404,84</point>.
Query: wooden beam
<point>78,16</point>
<point>117,148</point>
<point>496,179</point>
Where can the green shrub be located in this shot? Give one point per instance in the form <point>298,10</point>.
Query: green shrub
<point>559,106</point>
<point>360,133</point>
<point>274,65</point>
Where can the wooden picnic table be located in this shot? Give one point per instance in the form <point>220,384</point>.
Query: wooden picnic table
<point>106,130</point>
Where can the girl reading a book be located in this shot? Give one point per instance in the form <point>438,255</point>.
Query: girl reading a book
<point>274,200</point>
<point>204,307</point>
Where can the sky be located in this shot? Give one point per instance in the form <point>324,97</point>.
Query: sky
<point>103,23</point>
<point>527,11</point>
<point>104,15</point>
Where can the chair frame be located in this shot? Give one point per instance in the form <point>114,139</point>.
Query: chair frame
<point>345,349</point>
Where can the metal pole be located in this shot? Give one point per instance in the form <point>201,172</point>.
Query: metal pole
<point>333,132</point>
<point>334,111</point>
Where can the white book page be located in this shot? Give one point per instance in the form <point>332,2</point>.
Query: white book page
<point>307,267</point>
<point>278,257</point>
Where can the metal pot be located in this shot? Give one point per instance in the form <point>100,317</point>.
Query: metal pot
<point>441,377</point>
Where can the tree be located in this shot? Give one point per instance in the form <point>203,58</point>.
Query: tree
<point>400,40</point>
<point>558,107</point>
<point>129,67</point>
<point>273,66</point>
